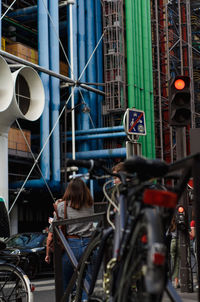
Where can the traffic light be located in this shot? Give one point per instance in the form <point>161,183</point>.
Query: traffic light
<point>179,101</point>
<point>181,217</point>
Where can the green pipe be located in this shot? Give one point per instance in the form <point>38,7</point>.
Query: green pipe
<point>141,101</point>
<point>150,137</point>
<point>137,56</point>
<point>33,32</point>
<point>135,48</point>
<point>151,78</point>
<point>130,53</point>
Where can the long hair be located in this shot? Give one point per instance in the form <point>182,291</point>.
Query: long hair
<point>78,194</point>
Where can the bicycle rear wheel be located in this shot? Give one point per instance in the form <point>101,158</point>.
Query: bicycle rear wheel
<point>14,284</point>
<point>143,271</point>
<point>87,261</point>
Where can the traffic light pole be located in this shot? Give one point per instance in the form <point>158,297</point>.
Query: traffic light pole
<point>186,281</point>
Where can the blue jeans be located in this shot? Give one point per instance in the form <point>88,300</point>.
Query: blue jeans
<point>78,246</point>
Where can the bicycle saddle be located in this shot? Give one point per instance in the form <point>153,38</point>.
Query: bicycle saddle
<point>146,168</point>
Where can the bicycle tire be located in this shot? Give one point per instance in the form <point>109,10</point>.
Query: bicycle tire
<point>14,284</point>
<point>140,279</point>
<point>4,220</point>
<point>86,260</point>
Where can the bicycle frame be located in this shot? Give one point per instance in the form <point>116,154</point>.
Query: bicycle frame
<point>186,168</point>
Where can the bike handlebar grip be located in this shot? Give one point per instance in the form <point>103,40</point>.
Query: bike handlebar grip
<point>88,164</point>
<point>146,168</point>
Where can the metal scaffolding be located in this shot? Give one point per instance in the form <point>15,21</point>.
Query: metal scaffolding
<point>172,55</point>
<point>114,62</point>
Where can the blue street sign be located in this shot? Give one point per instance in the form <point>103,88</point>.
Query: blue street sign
<point>136,122</point>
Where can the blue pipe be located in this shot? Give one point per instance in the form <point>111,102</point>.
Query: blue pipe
<point>105,153</point>
<point>90,131</point>
<point>54,64</point>
<point>92,67</point>
<point>83,115</point>
<point>24,18</point>
<point>43,58</point>
<point>55,186</point>
<point>24,11</point>
<point>98,130</point>
<point>98,136</point>
<point>75,49</point>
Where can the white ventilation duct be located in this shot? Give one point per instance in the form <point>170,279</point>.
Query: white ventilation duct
<point>21,96</point>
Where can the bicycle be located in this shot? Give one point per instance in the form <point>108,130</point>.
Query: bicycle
<point>137,270</point>
<point>14,283</point>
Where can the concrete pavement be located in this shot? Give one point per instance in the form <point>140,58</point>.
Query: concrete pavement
<point>45,292</point>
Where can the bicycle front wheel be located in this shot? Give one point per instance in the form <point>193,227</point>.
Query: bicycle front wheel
<point>143,270</point>
<point>14,284</point>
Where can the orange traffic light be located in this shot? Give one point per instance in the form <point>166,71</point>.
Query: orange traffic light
<point>179,101</point>
<point>181,209</point>
<point>179,84</point>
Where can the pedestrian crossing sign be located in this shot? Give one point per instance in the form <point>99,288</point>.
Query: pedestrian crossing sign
<point>136,122</point>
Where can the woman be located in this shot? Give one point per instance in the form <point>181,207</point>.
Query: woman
<point>79,203</point>
<point>49,243</point>
<point>175,252</point>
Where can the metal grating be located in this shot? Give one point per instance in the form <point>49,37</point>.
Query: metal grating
<point>114,57</point>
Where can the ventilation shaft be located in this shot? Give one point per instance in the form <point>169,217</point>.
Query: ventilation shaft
<point>21,96</point>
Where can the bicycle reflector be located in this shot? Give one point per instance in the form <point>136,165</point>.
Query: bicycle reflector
<point>160,198</point>
<point>158,254</point>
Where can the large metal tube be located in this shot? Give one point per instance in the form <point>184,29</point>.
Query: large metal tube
<point>22,96</point>
<point>148,83</point>
<point>98,130</point>
<point>6,93</point>
<point>54,64</point>
<point>99,136</point>
<point>83,115</point>
<point>105,153</point>
<point>28,98</point>
<point>92,67</point>
<point>43,57</point>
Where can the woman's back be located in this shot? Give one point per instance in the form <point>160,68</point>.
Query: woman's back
<point>82,229</point>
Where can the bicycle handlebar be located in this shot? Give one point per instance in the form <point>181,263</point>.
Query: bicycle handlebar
<point>88,164</point>
<point>146,168</point>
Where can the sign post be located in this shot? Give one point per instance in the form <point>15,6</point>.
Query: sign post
<point>134,126</point>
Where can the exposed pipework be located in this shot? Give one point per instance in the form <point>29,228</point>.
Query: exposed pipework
<point>22,96</point>
<point>99,136</point>
<point>87,31</point>
<point>43,58</point>
<point>92,66</point>
<point>98,130</point>
<point>139,67</point>
<point>83,115</point>
<point>54,64</point>
<point>105,153</point>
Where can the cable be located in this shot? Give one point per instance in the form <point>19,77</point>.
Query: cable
<point>36,160</point>
<point>7,10</point>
